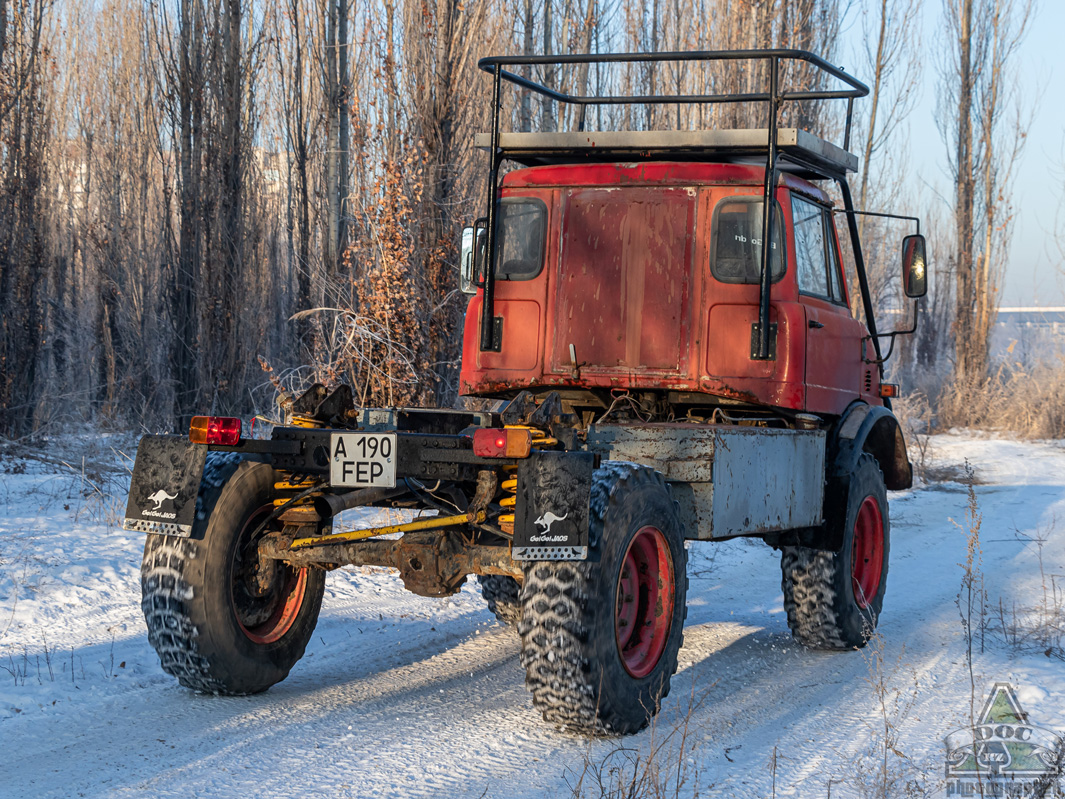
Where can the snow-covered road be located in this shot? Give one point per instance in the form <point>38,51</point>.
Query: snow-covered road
<point>404,696</point>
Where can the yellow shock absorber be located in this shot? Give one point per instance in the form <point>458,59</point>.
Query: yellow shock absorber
<point>510,484</point>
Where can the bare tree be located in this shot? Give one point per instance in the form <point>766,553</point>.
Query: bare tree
<point>983,149</point>
<point>24,270</point>
<point>336,89</point>
<point>892,62</point>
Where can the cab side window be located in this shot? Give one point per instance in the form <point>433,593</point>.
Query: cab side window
<point>815,251</point>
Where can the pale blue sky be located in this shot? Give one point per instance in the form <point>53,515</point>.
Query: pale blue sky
<point>1033,276</point>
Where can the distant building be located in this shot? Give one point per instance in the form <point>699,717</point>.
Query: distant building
<point>1028,333</point>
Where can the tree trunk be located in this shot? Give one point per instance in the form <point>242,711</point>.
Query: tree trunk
<point>968,365</point>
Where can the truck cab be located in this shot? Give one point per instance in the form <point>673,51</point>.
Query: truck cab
<point>645,277</point>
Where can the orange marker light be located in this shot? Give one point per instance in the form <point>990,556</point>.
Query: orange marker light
<point>889,390</point>
<point>506,443</point>
<point>222,430</point>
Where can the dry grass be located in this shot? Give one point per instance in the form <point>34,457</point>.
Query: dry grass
<point>1028,401</point>
<point>1037,627</point>
<point>914,413</point>
<point>665,765</point>
<point>883,770</point>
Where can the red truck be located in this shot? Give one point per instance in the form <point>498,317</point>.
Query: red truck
<point>660,377</point>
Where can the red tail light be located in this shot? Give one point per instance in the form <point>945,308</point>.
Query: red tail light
<point>502,443</point>
<point>224,430</point>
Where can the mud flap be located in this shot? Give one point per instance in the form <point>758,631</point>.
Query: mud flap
<point>165,482</point>
<point>551,516</point>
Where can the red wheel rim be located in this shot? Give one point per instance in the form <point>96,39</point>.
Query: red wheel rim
<point>867,561</point>
<point>265,616</point>
<point>644,609</point>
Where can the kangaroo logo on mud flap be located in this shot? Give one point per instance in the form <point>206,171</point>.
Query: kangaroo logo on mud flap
<point>547,520</point>
<point>159,497</point>
<point>175,463</point>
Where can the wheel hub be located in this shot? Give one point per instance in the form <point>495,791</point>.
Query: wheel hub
<point>867,558</point>
<point>644,607</point>
<point>267,595</point>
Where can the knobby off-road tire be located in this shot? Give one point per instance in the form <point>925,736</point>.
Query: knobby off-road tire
<point>599,638</point>
<point>211,626</point>
<point>503,595</point>
<point>833,599</point>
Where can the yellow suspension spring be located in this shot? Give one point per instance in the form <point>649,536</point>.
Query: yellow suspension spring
<point>309,422</point>
<point>288,485</point>
<point>510,484</point>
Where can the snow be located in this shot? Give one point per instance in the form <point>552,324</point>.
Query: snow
<point>404,696</point>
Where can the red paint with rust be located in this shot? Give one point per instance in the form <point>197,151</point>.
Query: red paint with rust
<point>627,281</point>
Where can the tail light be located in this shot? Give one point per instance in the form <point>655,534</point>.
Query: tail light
<point>224,430</point>
<point>502,443</point>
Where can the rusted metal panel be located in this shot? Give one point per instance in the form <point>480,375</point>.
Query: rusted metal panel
<point>624,278</point>
<point>765,482</point>
<point>675,173</point>
<point>729,480</point>
<point>681,452</point>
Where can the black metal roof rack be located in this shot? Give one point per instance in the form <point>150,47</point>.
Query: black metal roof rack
<point>796,154</point>
<point>799,152</point>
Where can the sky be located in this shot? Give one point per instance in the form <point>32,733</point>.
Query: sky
<point>1035,274</point>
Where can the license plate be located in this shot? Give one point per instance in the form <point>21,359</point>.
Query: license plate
<point>363,460</point>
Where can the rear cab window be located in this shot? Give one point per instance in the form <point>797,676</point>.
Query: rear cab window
<point>736,241</point>
<point>522,234</point>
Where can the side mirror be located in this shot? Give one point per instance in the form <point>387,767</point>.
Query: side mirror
<point>914,273</point>
<point>467,284</point>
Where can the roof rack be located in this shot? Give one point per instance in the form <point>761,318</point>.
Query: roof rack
<point>688,145</point>
<point>796,154</point>
<point>799,152</point>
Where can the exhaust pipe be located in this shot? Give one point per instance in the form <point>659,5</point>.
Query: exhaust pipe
<point>329,505</point>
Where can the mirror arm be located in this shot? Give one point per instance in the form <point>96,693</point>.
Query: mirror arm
<point>893,334</point>
<point>916,220</point>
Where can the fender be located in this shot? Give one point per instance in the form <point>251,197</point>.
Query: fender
<point>872,429</point>
<point>861,428</point>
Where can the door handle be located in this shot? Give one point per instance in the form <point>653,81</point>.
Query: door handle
<point>815,324</point>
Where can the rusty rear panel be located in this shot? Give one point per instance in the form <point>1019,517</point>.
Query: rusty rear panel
<point>624,277</point>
